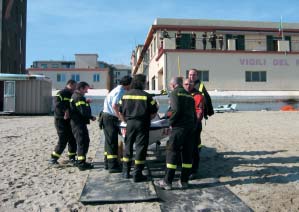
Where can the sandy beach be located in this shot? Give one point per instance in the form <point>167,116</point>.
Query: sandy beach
<point>254,154</point>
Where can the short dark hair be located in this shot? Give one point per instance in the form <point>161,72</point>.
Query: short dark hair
<point>125,80</point>
<point>82,85</point>
<point>138,81</point>
<point>71,82</point>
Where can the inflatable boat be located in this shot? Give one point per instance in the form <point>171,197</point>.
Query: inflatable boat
<point>159,130</point>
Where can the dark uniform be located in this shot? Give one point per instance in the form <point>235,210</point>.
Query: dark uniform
<point>63,127</point>
<point>208,107</point>
<point>137,107</point>
<point>199,107</point>
<point>182,121</point>
<point>80,113</point>
<point>204,40</point>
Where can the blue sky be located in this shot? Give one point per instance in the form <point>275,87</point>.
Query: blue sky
<point>58,29</point>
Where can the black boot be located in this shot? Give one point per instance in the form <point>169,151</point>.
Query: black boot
<point>114,166</point>
<point>169,176</point>
<point>105,162</point>
<point>53,160</point>
<point>72,160</point>
<point>126,170</point>
<point>138,176</point>
<point>185,174</point>
<point>82,165</point>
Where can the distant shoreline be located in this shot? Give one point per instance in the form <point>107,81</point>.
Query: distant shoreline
<point>232,96</point>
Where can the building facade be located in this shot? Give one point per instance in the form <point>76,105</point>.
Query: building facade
<point>12,39</point>
<point>119,71</point>
<point>229,55</point>
<point>84,68</point>
<point>13,36</point>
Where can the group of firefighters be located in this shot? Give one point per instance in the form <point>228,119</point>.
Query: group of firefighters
<point>128,102</point>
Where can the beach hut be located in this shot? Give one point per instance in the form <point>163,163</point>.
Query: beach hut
<point>25,94</point>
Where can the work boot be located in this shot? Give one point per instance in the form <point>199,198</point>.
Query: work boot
<point>84,166</point>
<point>105,162</point>
<point>72,160</point>
<point>163,185</point>
<point>116,168</point>
<point>183,185</point>
<point>53,161</point>
<point>113,166</point>
<point>139,177</point>
<point>126,170</point>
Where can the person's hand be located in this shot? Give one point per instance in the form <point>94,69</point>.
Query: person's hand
<point>66,115</point>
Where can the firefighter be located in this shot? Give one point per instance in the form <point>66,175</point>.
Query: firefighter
<point>137,109</point>
<point>208,107</point>
<point>62,124</point>
<point>199,108</point>
<point>180,143</point>
<point>80,114</point>
<point>111,119</point>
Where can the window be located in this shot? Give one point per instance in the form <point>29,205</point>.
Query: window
<point>255,76</point>
<point>76,77</point>
<point>240,41</point>
<point>43,65</point>
<point>54,65</point>
<point>9,88</point>
<point>185,41</point>
<point>153,83</point>
<point>96,77</point>
<point>60,77</point>
<point>202,75</point>
<point>155,45</point>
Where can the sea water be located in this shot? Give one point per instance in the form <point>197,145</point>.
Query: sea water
<point>98,101</point>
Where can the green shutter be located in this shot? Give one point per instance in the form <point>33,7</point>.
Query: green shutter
<point>270,46</point>
<point>185,41</point>
<point>240,45</point>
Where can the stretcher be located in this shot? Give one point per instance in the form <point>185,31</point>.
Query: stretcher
<point>159,129</point>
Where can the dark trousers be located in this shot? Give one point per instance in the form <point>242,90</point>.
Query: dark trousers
<point>180,144</point>
<point>196,147</point>
<point>65,136</point>
<point>204,43</point>
<point>81,135</point>
<point>138,133</point>
<point>111,129</point>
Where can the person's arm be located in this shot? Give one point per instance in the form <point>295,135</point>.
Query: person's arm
<point>175,107</point>
<point>153,107</point>
<point>116,110</point>
<point>208,102</point>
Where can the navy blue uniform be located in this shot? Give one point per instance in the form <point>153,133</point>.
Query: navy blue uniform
<point>63,127</point>
<point>180,143</point>
<point>137,107</point>
<point>80,113</point>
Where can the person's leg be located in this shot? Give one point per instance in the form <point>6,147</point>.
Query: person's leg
<point>62,140</point>
<point>128,151</point>
<point>141,145</point>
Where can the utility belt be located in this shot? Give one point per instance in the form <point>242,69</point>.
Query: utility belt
<point>108,115</point>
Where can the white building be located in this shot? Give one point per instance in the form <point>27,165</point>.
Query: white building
<point>253,57</point>
<point>84,68</point>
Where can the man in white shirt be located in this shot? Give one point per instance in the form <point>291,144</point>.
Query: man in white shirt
<point>111,119</point>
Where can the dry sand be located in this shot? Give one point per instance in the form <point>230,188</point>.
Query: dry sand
<point>254,154</point>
